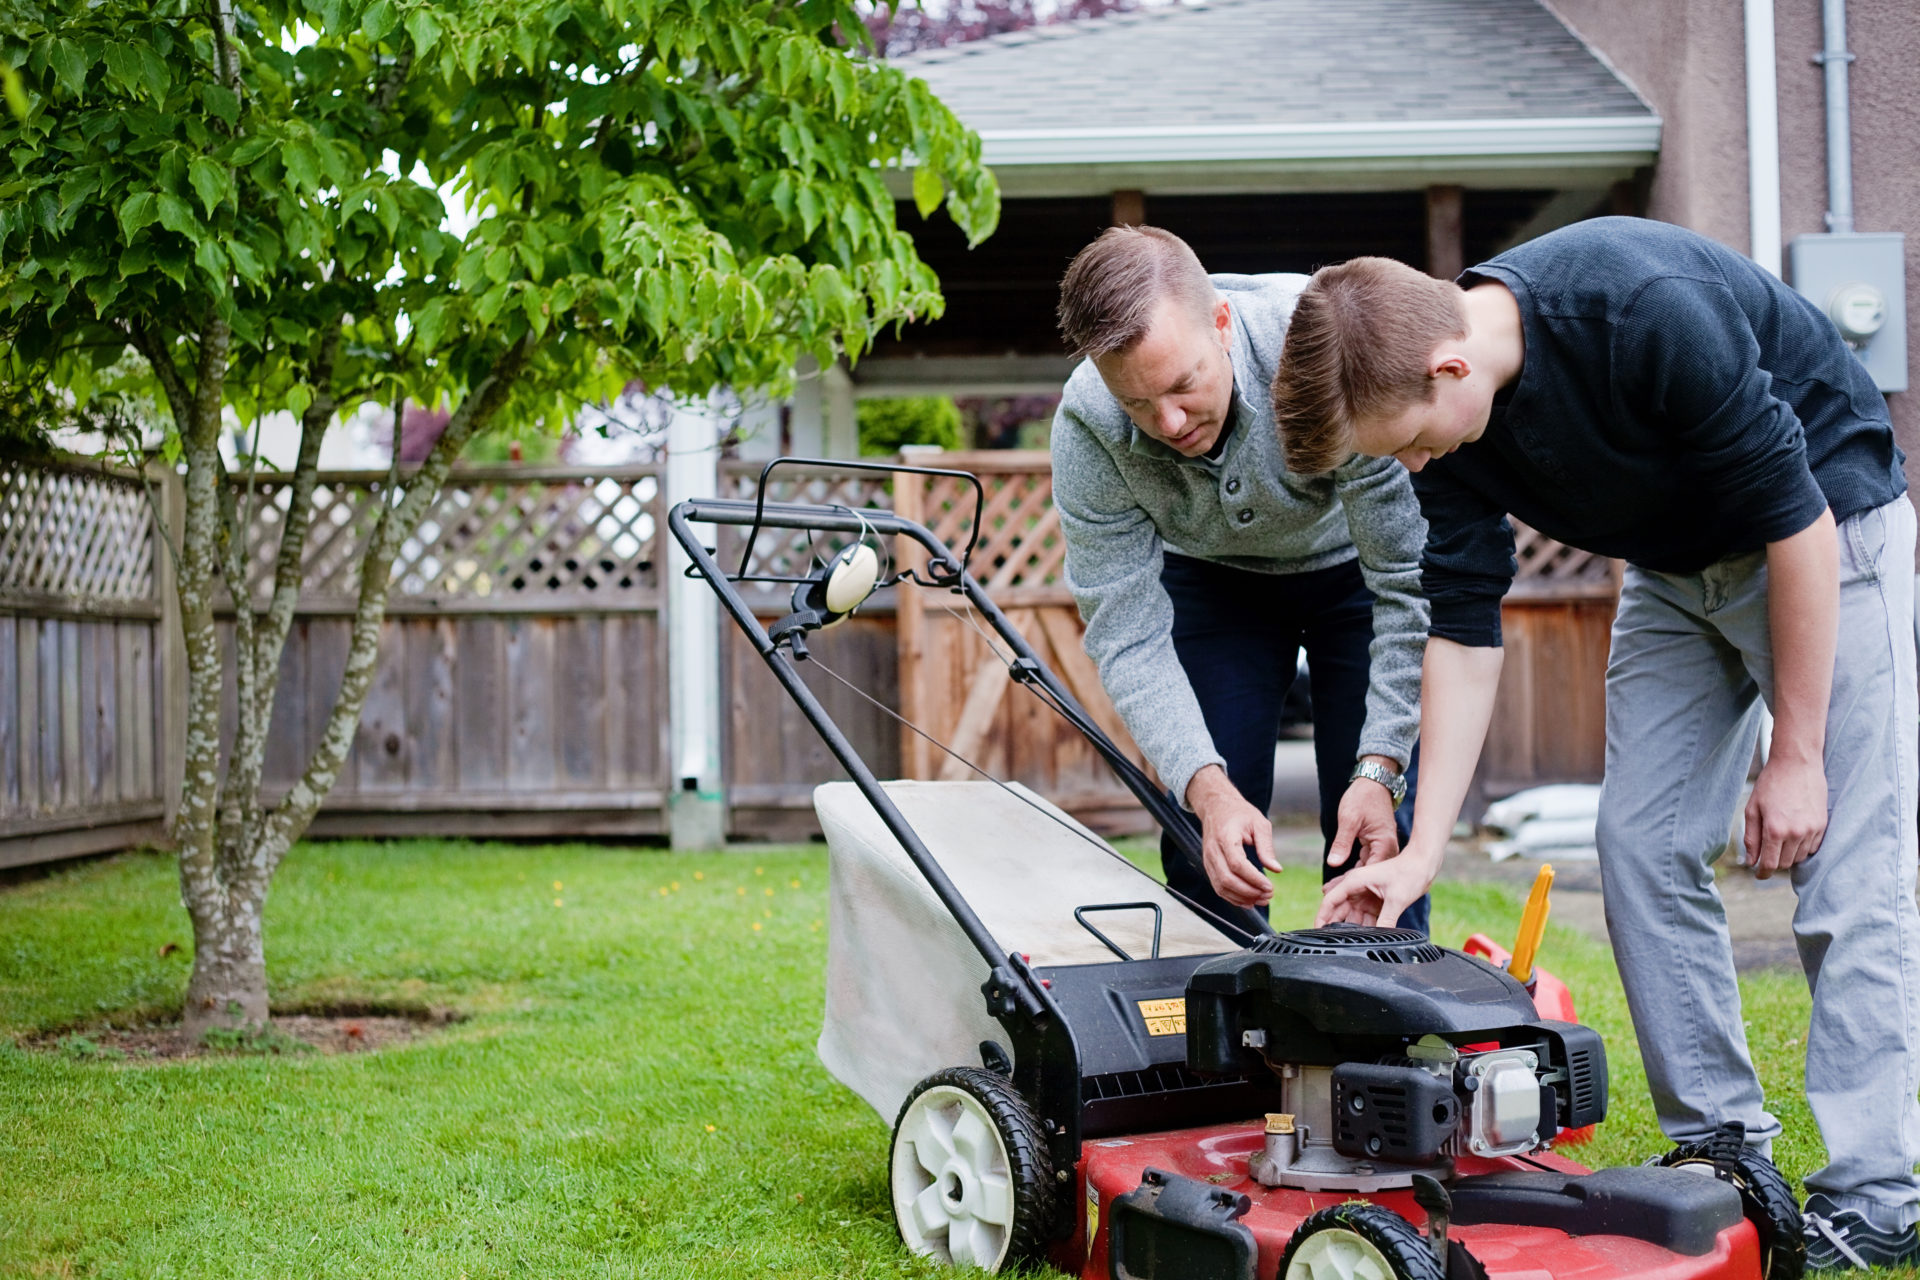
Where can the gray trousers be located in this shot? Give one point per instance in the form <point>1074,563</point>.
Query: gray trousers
<point>1691,660</point>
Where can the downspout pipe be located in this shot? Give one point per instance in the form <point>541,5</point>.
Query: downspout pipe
<point>1763,136</point>
<point>1834,59</point>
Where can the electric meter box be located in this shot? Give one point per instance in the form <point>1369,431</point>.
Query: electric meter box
<point>1858,280</point>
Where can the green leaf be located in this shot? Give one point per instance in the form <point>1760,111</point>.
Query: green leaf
<point>136,211</point>
<point>176,214</point>
<point>245,261</point>
<point>530,259</point>
<point>213,261</point>
<point>379,19</point>
<point>210,182</point>
<point>123,64</point>
<point>153,72</point>
<point>431,324</point>
<point>302,165</point>
<point>424,30</point>
<point>299,396</point>
<point>68,63</point>
<point>490,303</point>
<point>252,149</point>
<point>220,100</point>
<point>927,190</point>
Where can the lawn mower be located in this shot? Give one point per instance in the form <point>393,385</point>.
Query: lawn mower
<point>1085,1067</point>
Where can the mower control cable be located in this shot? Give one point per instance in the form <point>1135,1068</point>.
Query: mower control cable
<point>1227,927</point>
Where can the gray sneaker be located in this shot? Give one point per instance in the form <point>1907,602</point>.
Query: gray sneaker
<point>1842,1238</point>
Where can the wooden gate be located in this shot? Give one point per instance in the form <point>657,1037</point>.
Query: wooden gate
<point>953,674</point>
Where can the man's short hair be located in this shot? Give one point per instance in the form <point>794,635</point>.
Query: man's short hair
<point>1110,291</point>
<point>1357,349</point>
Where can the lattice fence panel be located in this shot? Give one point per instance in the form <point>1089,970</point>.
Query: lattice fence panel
<point>792,553</point>
<point>1020,542</point>
<point>81,534</point>
<point>548,538</point>
<point>1544,561</point>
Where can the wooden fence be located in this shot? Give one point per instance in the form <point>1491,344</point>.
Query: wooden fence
<point>522,680</point>
<point>522,687</point>
<point>84,668</point>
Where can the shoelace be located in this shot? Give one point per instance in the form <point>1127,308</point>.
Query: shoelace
<point>1826,1228</point>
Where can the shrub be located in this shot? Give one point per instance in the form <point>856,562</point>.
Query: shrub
<point>885,425</point>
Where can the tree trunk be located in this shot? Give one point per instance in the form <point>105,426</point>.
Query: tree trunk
<point>230,842</point>
<point>229,983</point>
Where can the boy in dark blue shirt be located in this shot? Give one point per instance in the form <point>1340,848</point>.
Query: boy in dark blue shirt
<point>1636,390</point>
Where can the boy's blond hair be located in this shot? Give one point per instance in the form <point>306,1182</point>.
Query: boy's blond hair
<point>1358,348</point>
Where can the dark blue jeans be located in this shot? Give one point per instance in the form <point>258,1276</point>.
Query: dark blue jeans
<point>1238,636</point>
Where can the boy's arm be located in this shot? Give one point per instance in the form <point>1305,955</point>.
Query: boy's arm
<point>1466,568</point>
<point>1457,689</point>
<point>1787,813</point>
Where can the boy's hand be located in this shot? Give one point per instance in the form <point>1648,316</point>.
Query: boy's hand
<point>1228,824</point>
<point>1377,892</point>
<point>1786,815</point>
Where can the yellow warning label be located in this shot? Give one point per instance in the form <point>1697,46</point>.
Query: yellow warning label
<point>1164,1017</point>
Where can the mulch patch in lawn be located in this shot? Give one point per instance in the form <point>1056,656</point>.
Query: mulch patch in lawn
<point>317,1031</point>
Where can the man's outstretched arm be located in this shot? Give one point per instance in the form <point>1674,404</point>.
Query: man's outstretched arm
<point>1457,688</point>
<point>1787,813</point>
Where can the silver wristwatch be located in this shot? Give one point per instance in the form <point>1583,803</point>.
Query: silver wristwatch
<point>1392,779</point>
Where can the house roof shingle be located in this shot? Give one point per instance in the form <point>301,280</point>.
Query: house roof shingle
<point>1242,63</point>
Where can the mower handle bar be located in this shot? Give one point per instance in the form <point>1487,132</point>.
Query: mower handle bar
<point>1243,925</point>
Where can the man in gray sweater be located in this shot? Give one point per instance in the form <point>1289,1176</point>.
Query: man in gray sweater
<point>1201,566</point>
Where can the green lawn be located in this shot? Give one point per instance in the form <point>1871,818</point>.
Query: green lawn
<point>633,1094</point>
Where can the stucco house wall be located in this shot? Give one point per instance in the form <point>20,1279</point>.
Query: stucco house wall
<point>1688,58</point>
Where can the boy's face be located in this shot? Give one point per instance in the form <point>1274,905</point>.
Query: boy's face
<point>1176,383</point>
<point>1418,434</point>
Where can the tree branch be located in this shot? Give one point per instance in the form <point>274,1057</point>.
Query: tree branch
<point>287,568</point>
<point>150,345</point>
<point>397,523</point>
<point>204,881</point>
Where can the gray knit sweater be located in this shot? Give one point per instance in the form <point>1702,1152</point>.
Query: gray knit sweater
<point>1124,498</point>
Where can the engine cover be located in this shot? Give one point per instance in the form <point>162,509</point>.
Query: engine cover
<point>1322,997</point>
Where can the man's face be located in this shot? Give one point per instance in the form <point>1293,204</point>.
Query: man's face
<point>1418,434</point>
<point>1176,383</point>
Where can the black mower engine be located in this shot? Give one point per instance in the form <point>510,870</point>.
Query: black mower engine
<point>1393,1056</point>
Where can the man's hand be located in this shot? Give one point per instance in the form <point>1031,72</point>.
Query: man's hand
<point>1786,815</point>
<point>1377,892</point>
<point>1366,815</point>
<point>1228,824</point>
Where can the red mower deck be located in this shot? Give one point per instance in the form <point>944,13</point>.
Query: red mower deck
<point>1218,1155</point>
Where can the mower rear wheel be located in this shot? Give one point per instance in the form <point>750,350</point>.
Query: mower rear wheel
<point>1358,1242</point>
<point>1765,1196</point>
<point>971,1177</point>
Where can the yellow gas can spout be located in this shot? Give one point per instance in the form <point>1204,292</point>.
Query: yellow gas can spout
<point>1533,925</point>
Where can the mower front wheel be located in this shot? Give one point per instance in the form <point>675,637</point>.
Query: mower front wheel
<point>1358,1242</point>
<point>970,1174</point>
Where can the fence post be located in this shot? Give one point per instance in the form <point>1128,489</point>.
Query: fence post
<point>696,800</point>
<point>170,645</point>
